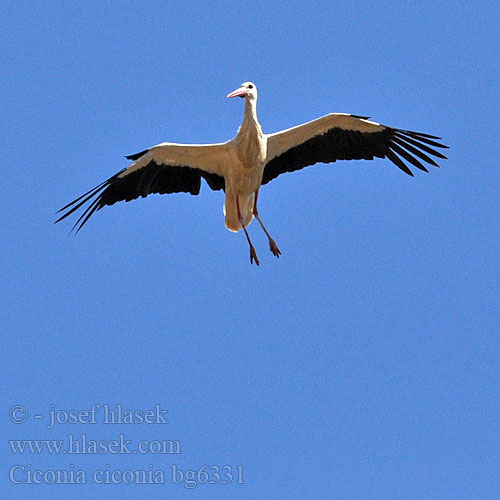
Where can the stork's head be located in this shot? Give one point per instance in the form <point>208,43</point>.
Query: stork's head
<point>248,90</point>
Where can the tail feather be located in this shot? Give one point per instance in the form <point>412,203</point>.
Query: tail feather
<point>231,211</point>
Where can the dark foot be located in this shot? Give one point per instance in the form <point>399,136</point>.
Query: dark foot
<point>274,248</point>
<point>253,256</point>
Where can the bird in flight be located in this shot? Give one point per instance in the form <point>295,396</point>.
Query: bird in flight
<point>242,165</point>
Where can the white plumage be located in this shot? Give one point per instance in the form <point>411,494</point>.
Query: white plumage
<point>251,159</point>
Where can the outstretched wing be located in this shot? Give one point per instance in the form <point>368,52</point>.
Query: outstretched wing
<point>346,137</point>
<point>166,168</point>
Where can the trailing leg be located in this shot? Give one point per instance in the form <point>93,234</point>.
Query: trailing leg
<point>272,244</point>
<point>253,253</point>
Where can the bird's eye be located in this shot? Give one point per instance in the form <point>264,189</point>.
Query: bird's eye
<point>250,86</point>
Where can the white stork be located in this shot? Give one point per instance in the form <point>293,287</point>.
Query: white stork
<point>249,160</point>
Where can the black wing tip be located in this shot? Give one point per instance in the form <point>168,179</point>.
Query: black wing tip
<point>60,218</point>
<point>413,132</point>
<point>136,156</point>
<point>413,146</point>
<point>72,231</point>
<point>420,136</point>
<point>72,207</point>
<point>407,172</point>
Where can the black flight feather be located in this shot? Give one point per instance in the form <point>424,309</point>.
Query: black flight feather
<point>340,144</point>
<point>152,178</point>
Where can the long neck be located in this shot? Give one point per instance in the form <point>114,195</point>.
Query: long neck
<point>250,123</point>
<point>250,139</point>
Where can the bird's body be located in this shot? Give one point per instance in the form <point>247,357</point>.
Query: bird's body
<point>251,159</point>
<point>244,171</point>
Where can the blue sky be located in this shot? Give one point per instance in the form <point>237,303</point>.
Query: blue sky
<point>361,364</point>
